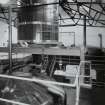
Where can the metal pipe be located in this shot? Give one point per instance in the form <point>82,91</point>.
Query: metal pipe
<point>78,85</point>
<point>12,102</point>
<point>38,81</point>
<point>100,36</point>
<point>80,19</point>
<point>10,38</point>
<point>74,40</point>
<point>84,32</point>
<point>83,47</point>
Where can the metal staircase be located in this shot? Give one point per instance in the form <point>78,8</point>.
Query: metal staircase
<point>51,69</point>
<point>45,62</point>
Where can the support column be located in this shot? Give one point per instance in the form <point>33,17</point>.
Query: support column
<point>10,39</point>
<point>84,33</point>
<point>83,49</point>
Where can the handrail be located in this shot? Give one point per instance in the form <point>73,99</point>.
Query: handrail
<point>12,102</point>
<point>36,80</point>
<point>78,84</point>
<point>32,80</point>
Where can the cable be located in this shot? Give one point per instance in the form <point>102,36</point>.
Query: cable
<point>68,10</point>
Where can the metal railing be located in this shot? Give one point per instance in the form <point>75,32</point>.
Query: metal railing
<point>76,84</point>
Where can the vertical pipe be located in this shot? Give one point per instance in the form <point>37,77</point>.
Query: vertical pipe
<point>74,39</point>
<point>10,38</point>
<point>77,91</point>
<point>83,48</point>
<point>77,80</point>
<point>84,40</point>
<point>100,36</point>
<point>84,34</point>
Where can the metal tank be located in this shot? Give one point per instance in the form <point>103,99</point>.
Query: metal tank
<point>38,21</point>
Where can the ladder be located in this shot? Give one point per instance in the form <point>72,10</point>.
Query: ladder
<point>45,62</point>
<point>52,66</point>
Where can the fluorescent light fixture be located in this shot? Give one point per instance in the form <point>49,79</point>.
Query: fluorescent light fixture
<point>4,1</point>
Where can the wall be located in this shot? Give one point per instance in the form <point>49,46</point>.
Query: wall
<point>93,38</point>
<point>78,34</point>
<point>92,35</point>
<point>4,34</point>
<point>92,32</point>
